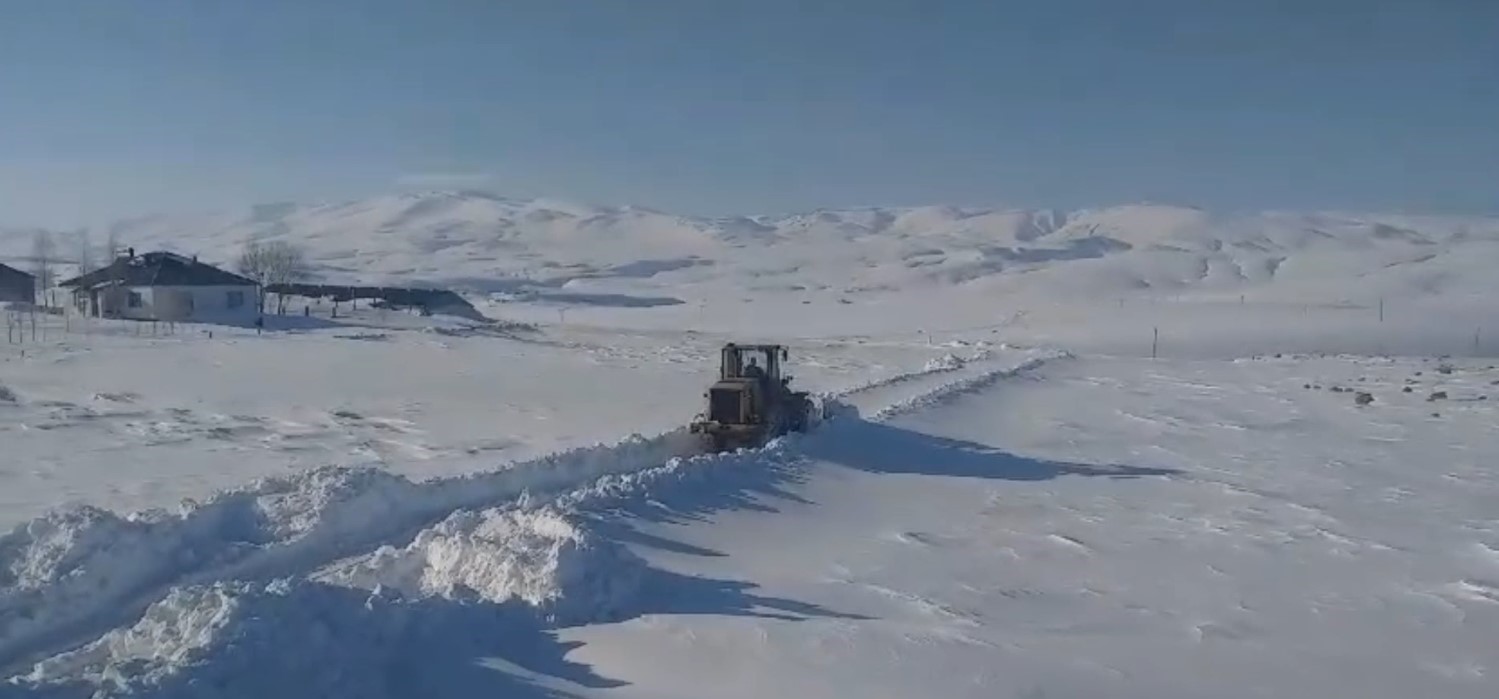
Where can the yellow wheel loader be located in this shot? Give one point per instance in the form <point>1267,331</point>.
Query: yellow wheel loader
<point>751,402</point>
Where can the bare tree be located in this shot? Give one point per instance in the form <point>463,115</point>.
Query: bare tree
<point>271,263</point>
<point>42,255</point>
<point>255,262</point>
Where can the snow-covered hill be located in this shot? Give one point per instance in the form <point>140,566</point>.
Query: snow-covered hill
<point>639,257</point>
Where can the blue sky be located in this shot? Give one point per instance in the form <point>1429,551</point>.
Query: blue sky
<point>114,108</point>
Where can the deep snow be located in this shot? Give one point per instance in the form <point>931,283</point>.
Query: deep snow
<point>1116,528</point>
<point>1079,527</point>
<point>149,422</point>
<point>76,577</point>
<point>1011,498</point>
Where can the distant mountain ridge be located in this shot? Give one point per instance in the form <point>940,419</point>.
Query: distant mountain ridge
<point>484,242</point>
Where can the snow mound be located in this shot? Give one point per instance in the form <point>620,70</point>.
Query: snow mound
<point>70,576</point>
<point>283,639</point>
<point>960,387</point>
<point>946,362</point>
<point>84,570</point>
<point>496,575</point>
<point>174,632</point>
<point>329,499</point>
<point>540,557</point>
<point>938,365</point>
<point>61,569</point>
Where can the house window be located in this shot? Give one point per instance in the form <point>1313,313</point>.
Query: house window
<point>134,300</point>
<point>236,299</point>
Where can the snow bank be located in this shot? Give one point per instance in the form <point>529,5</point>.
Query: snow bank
<point>938,365</point>
<point>172,633</point>
<point>946,362</point>
<point>71,575</point>
<point>338,633</point>
<point>953,389</point>
<point>83,570</point>
<point>283,639</point>
<point>61,570</point>
<point>540,557</point>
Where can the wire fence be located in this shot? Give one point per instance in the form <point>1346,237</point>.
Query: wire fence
<point>1152,327</point>
<point>38,325</point>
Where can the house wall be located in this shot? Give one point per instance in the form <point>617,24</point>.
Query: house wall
<point>16,287</point>
<point>205,304</point>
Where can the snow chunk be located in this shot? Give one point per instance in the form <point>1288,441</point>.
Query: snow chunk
<point>62,568</point>
<point>492,577</point>
<point>540,557</point>
<point>173,632</point>
<point>946,362</point>
<point>245,640</point>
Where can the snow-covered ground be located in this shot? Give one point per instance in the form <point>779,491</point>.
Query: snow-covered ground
<point>124,421</point>
<point>1119,528</point>
<point>1295,497</point>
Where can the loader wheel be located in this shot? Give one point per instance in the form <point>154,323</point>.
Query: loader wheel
<point>802,417</point>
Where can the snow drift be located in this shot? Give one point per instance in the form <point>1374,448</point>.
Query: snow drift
<point>359,627</point>
<point>77,571</point>
<point>333,554</point>
<point>293,639</point>
<point>541,558</point>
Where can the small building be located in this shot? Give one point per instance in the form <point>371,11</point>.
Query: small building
<point>165,286</point>
<point>16,286</point>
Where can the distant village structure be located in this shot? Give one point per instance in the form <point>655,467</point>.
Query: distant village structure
<point>165,286</point>
<point>16,286</point>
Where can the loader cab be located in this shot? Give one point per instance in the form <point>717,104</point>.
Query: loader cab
<point>747,376</point>
<point>737,360</point>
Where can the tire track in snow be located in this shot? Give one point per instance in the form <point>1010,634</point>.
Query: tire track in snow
<point>67,577</point>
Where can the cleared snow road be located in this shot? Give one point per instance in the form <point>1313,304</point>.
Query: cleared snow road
<point>75,575</point>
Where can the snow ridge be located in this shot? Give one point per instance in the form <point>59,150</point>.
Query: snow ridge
<point>340,545</point>
<point>540,557</point>
<point>75,573</point>
<point>960,387</point>
<point>71,572</point>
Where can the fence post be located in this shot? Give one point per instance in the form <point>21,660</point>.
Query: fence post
<point>1155,341</point>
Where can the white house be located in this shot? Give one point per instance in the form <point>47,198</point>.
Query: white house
<point>168,287</point>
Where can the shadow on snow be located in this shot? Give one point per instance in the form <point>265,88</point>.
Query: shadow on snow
<point>878,447</point>
<point>764,484</point>
<point>322,640</point>
<point>370,646</point>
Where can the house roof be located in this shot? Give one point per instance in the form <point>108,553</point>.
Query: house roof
<point>158,269</point>
<point>12,271</point>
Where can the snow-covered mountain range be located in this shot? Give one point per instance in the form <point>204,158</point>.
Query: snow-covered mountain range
<point>480,242</point>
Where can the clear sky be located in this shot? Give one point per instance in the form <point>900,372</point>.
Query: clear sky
<point>113,108</point>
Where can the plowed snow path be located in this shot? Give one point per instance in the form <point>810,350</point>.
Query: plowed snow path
<point>129,423</point>
<point>69,577</point>
<point>1098,528</point>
